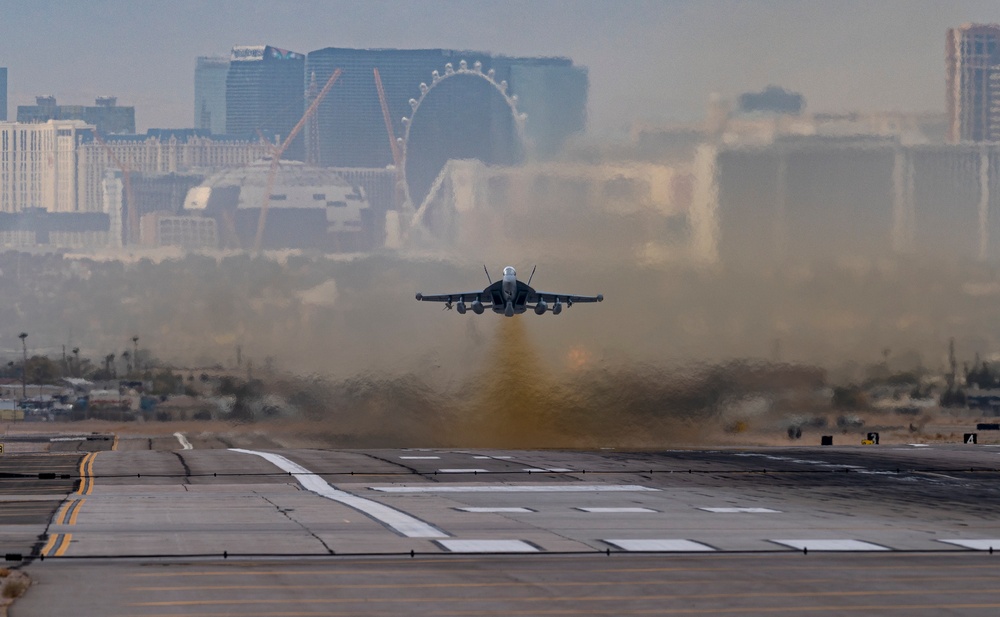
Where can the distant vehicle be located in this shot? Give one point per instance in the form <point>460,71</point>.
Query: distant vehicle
<point>509,297</point>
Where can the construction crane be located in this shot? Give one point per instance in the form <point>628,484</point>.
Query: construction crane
<point>394,144</point>
<point>276,153</point>
<point>131,222</point>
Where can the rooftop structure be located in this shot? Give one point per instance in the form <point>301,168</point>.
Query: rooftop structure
<point>105,114</point>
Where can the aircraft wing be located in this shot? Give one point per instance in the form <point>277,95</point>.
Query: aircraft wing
<point>568,299</point>
<point>467,296</point>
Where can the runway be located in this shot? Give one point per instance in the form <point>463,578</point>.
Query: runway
<point>208,530</point>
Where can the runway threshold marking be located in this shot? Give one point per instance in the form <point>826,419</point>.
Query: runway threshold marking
<point>57,545</point>
<point>401,522</point>
<point>87,474</point>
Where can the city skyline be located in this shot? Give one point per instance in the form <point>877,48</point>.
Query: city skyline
<point>647,61</point>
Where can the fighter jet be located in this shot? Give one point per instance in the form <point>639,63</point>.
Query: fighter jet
<point>508,296</point>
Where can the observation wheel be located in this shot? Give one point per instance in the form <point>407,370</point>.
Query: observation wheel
<point>462,114</point>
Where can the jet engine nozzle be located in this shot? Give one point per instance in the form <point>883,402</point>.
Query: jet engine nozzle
<point>557,308</point>
<point>477,307</point>
<point>541,307</point>
<point>460,307</point>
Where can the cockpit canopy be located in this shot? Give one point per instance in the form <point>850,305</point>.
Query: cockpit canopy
<point>509,271</point>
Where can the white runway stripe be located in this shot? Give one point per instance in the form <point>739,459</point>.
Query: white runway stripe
<point>420,458</point>
<point>463,470</point>
<point>513,488</point>
<point>660,545</point>
<point>976,545</point>
<point>615,510</point>
<point>487,546</point>
<point>400,521</point>
<point>740,510</point>
<point>832,545</point>
<point>497,510</point>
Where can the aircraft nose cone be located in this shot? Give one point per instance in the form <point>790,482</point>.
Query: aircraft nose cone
<point>420,296</point>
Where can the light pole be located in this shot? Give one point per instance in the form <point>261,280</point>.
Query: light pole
<point>24,369</point>
<point>135,354</point>
<point>76,362</point>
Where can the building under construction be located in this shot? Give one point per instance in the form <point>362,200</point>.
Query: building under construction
<point>308,208</point>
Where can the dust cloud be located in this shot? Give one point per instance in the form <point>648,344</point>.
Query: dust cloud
<point>679,350</point>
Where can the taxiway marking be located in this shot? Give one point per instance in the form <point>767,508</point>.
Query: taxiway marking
<point>87,474</point>
<point>399,521</point>
<point>185,444</point>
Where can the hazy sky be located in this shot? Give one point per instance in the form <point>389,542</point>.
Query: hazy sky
<point>648,60</point>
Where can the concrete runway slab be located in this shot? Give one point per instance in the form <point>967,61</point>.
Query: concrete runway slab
<point>929,512</point>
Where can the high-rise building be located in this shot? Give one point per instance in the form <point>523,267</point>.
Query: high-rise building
<point>3,94</point>
<point>973,82</point>
<point>265,94</point>
<point>38,165</point>
<point>210,93</point>
<point>105,114</point>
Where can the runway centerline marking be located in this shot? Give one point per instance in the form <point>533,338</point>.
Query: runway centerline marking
<point>399,521</point>
<point>629,510</point>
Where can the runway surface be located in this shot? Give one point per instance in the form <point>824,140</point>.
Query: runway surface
<point>181,525</point>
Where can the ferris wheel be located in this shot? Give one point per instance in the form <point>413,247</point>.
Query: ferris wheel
<point>425,124</point>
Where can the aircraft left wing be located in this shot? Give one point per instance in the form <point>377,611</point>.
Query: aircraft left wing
<point>568,299</point>
<point>468,296</point>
